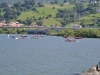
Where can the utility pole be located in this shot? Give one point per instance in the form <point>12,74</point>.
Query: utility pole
<point>74,16</point>
<point>75,13</point>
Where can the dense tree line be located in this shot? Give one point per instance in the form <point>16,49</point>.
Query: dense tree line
<point>85,33</point>
<point>12,31</point>
<point>28,4</point>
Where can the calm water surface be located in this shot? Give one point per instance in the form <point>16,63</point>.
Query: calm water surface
<point>48,55</point>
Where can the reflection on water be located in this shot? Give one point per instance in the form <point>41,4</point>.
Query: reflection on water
<point>48,55</point>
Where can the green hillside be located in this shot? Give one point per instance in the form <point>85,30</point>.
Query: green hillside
<point>44,12</point>
<point>53,14</point>
<point>89,19</point>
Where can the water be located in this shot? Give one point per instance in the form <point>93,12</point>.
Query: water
<point>48,55</point>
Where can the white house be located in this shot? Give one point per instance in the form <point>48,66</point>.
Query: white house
<point>76,26</point>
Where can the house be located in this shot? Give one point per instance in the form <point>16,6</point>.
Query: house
<point>76,26</point>
<point>15,24</point>
<point>67,3</point>
<point>3,23</point>
<point>12,24</point>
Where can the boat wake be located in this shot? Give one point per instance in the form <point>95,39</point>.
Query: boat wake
<point>77,41</point>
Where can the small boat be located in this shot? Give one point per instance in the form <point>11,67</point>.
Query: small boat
<point>65,36</point>
<point>35,37</point>
<point>8,36</point>
<point>23,35</point>
<point>41,36</point>
<point>13,36</point>
<point>71,40</point>
<point>78,37</point>
<point>20,37</point>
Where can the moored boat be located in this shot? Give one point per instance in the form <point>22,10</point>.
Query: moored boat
<point>35,37</point>
<point>23,35</point>
<point>78,37</point>
<point>65,36</point>
<point>71,40</point>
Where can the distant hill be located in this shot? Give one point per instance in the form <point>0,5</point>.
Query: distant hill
<point>45,1</point>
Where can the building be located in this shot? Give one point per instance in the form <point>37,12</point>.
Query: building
<point>76,26</point>
<point>15,24</point>
<point>3,23</point>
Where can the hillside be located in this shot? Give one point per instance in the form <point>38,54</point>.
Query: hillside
<point>90,19</point>
<point>44,12</point>
<point>44,1</point>
<point>48,9</point>
<point>52,14</point>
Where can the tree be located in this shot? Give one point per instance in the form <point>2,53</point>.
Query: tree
<point>61,4</point>
<point>65,1</point>
<point>23,8</point>
<point>50,15</point>
<point>34,9</point>
<point>18,5</point>
<point>90,6</point>
<point>40,23</point>
<point>28,21</point>
<point>56,2</point>
<point>53,8</point>
<point>30,2</point>
<point>18,13</point>
<point>40,18</point>
<point>69,32</point>
<point>72,1</point>
<point>7,12</point>
<point>66,32</point>
<point>51,32</point>
<point>40,4</point>
<point>79,7</point>
<point>61,33</point>
<point>3,5</point>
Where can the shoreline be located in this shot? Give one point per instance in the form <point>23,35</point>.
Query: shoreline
<point>92,71</point>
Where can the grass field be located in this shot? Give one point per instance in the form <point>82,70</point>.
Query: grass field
<point>51,21</point>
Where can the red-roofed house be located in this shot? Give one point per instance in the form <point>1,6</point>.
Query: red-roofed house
<point>15,24</point>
